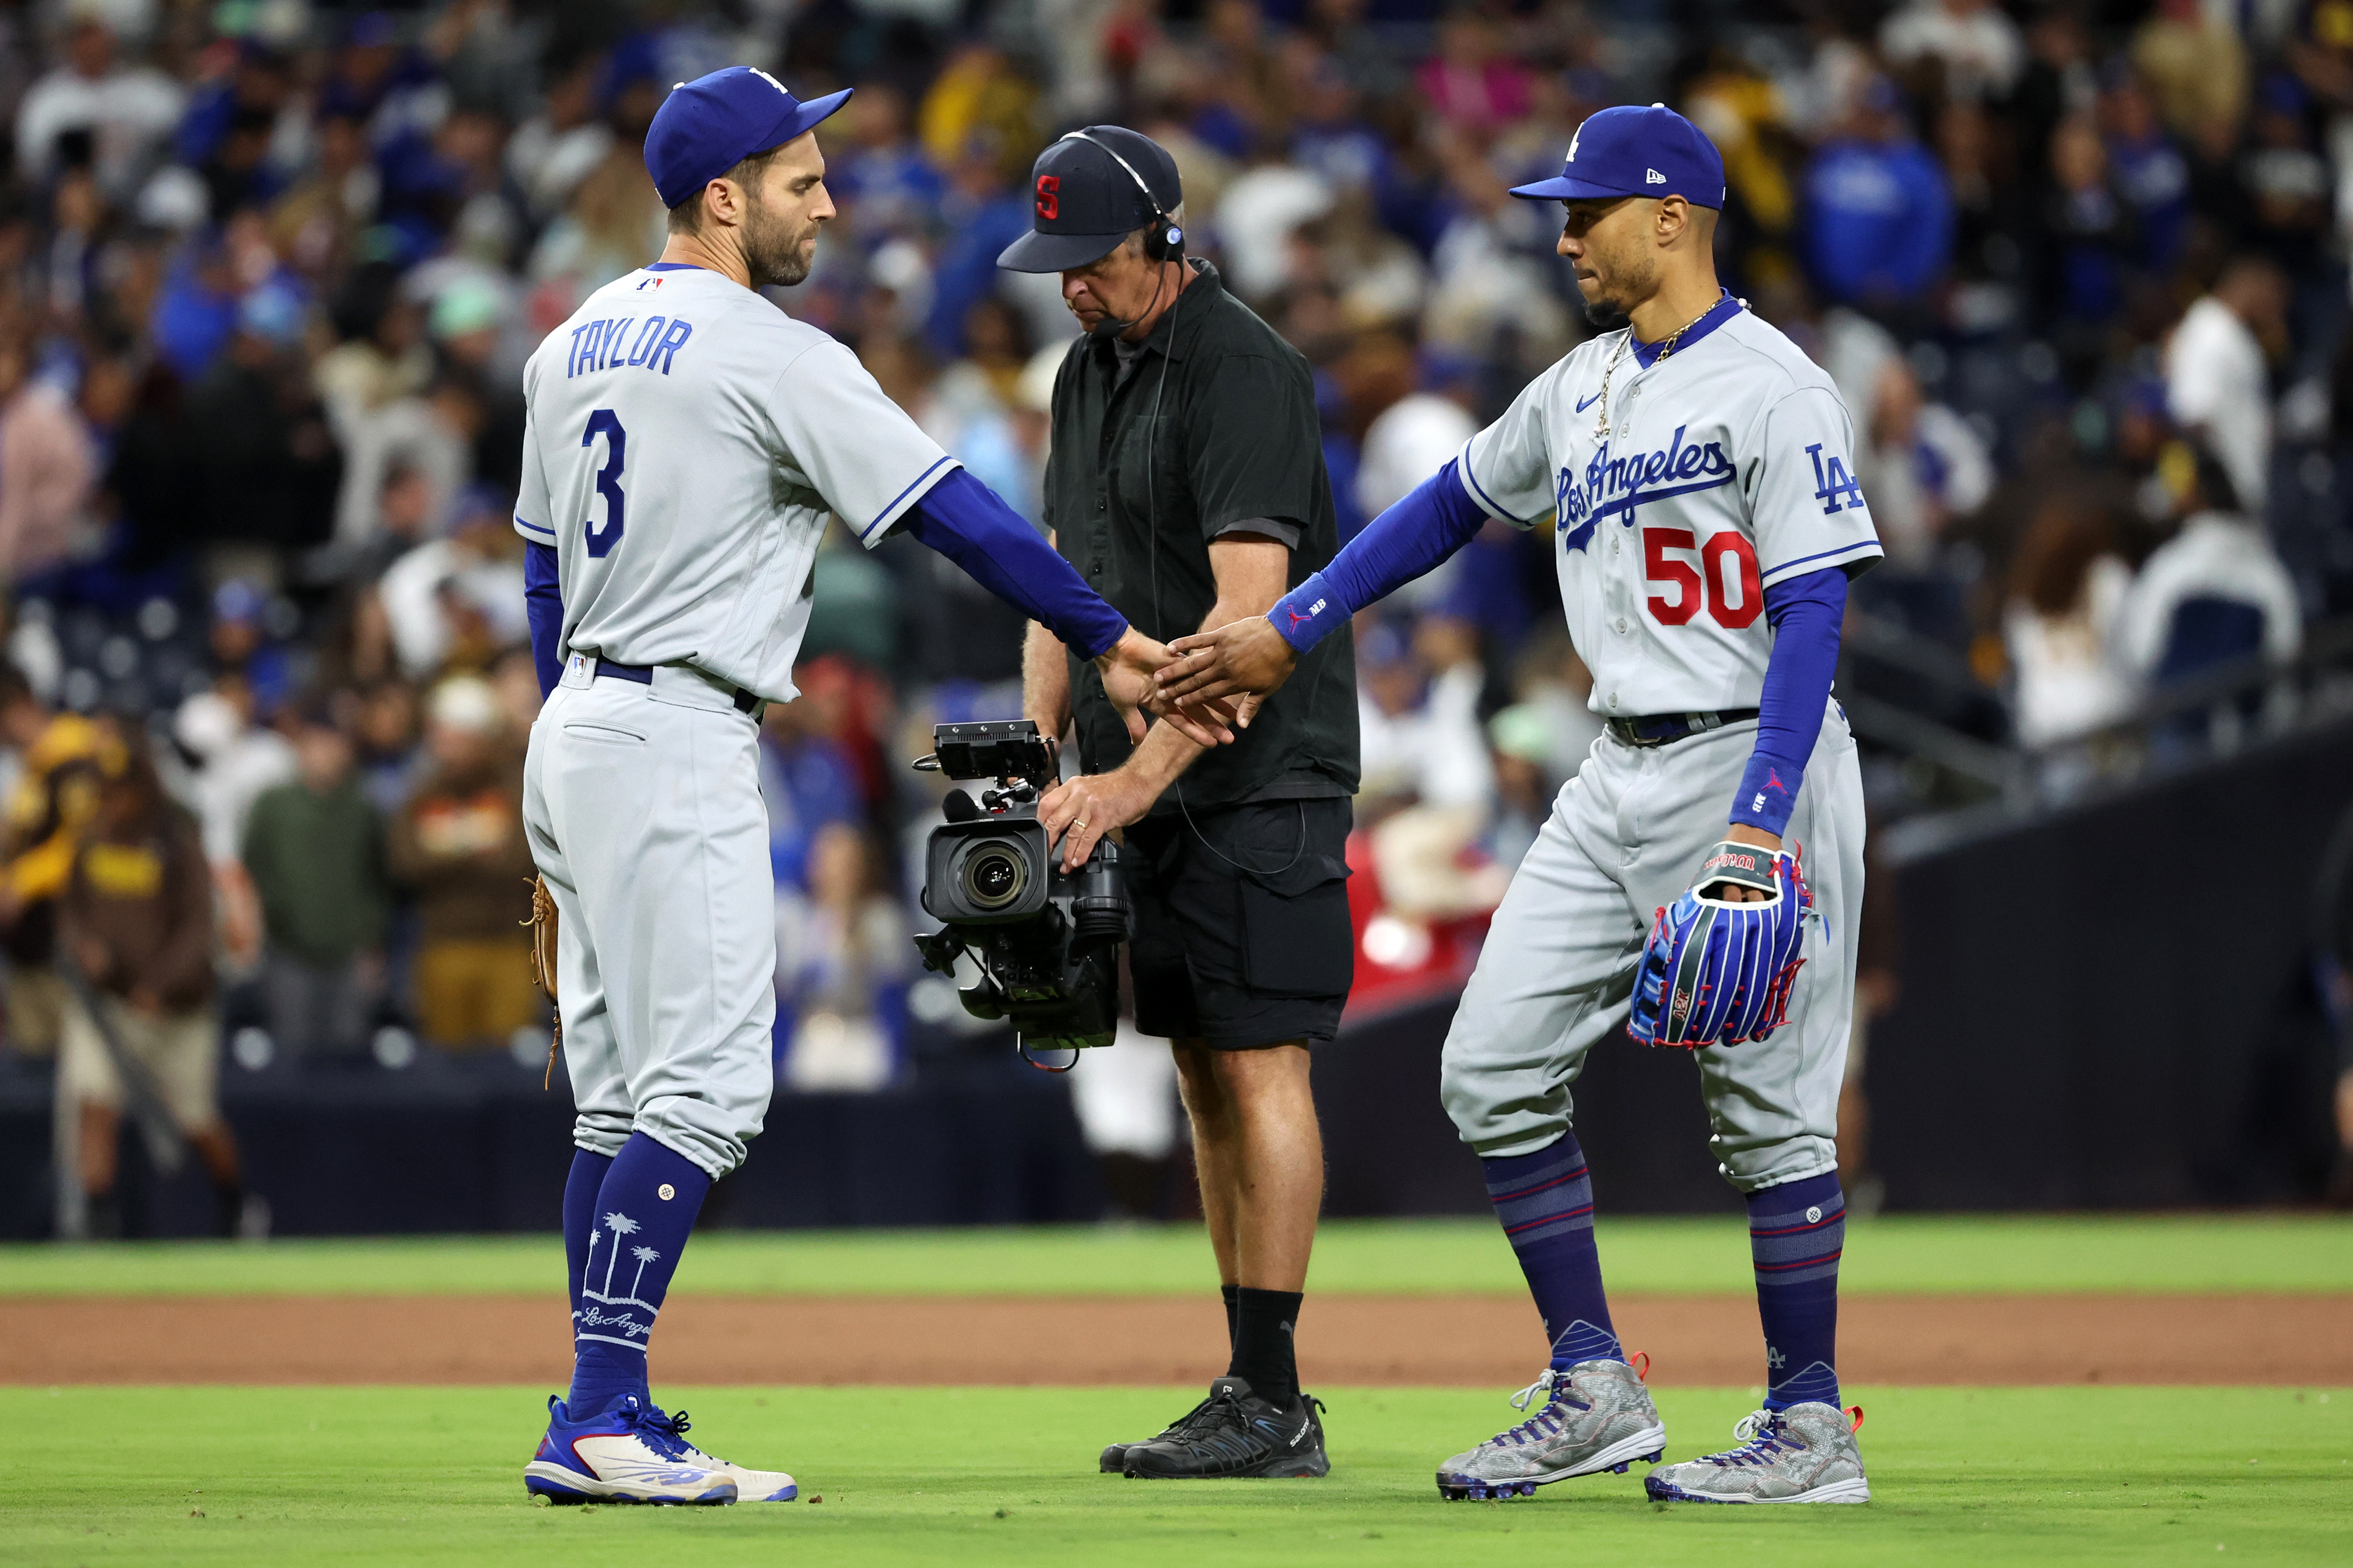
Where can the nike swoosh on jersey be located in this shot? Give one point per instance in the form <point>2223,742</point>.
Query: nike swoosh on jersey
<point>1588,403</point>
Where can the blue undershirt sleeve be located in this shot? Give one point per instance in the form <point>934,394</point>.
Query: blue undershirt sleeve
<point>1436,519</point>
<point>543,592</point>
<point>966,521</point>
<point>1806,614</point>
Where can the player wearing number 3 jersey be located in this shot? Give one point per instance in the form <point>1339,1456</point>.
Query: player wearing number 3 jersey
<point>688,443</point>
<point>1695,472</point>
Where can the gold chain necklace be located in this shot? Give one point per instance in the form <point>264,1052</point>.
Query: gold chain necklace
<point>1666,347</point>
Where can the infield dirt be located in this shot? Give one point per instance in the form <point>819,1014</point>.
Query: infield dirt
<point>1396,1340</point>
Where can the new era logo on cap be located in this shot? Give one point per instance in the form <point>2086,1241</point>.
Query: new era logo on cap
<point>1632,151</point>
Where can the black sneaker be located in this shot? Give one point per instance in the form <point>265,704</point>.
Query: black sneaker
<point>1114,1459</point>
<point>1234,1434</point>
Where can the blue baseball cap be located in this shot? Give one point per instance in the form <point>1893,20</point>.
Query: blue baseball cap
<point>707,126</point>
<point>1631,152</point>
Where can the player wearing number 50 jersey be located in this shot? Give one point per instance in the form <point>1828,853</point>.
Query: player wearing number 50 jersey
<point>688,443</point>
<point>1696,473</point>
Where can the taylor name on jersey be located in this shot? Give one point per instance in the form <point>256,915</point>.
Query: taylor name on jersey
<point>1722,467</point>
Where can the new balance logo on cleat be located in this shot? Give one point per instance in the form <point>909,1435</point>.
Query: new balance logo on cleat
<point>635,1453</point>
<point>630,1453</point>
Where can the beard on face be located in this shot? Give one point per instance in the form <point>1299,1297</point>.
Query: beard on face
<point>1613,307</point>
<point>776,249</point>
<point>1607,315</point>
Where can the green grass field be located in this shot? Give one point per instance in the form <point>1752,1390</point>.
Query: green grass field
<point>1966,1255</point>
<point>984,1476</point>
<point>981,1477</point>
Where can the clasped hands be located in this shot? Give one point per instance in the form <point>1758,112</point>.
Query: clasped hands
<point>1206,686</point>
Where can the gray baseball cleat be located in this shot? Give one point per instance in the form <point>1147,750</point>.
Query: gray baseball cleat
<point>1804,1454</point>
<point>1597,1416</point>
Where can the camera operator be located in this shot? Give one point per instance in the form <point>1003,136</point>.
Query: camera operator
<point>1186,485</point>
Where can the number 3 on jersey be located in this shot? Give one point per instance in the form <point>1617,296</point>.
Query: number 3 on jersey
<point>605,423</point>
<point>1706,584</point>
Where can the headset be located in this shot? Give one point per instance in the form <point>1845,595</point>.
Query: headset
<point>1166,242</point>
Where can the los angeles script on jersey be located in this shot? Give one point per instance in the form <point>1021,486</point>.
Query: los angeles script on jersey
<point>1608,484</point>
<point>651,340</point>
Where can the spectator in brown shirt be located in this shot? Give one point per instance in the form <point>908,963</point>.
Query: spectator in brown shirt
<point>458,847</point>
<point>136,918</point>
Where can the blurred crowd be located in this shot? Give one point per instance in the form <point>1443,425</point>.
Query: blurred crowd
<point>269,270</point>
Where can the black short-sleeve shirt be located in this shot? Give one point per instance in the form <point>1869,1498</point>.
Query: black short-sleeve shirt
<point>1211,423</point>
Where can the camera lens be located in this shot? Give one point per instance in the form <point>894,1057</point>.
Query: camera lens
<point>994,876</point>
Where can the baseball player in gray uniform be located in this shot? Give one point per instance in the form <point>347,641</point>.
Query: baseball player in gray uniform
<point>1696,471</point>
<point>687,443</point>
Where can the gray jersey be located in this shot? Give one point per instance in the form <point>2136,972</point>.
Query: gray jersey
<point>685,442</point>
<point>1726,467</point>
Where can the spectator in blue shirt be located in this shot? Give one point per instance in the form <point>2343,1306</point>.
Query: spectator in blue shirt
<point>984,214</point>
<point>195,312</point>
<point>808,783</point>
<point>1879,214</point>
<point>1330,136</point>
<point>881,179</point>
<point>2150,173</point>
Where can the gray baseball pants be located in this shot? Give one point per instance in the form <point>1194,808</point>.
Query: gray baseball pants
<point>643,806</point>
<point>1626,837</point>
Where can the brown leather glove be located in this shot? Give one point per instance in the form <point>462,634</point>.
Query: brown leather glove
<point>543,966</point>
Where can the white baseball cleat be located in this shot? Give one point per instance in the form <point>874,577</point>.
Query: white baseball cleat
<point>629,1453</point>
<point>1595,1416</point>
<point>751,1486</point>
<point>1804,1454</point>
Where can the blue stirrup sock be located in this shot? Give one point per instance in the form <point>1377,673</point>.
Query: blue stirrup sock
<point>1796,1232</point>
<point>636,1226</point>
<point>1545,1200</point>
<point>580,1188</point>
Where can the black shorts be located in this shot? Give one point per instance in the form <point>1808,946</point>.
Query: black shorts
<point>1242,937</point>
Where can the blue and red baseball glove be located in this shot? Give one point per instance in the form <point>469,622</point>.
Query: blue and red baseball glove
<point>1716,973</point>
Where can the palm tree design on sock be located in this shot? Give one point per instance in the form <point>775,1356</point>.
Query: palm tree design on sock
<point>620,1225</point>
<point>644,1255</point>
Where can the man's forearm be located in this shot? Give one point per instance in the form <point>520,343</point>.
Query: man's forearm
<point>1045,681</point>
<point>970,525</point>
<point>1167,751</point>
<point>543,608</point>
<point>1806,614</point>
<point>1434,519</point>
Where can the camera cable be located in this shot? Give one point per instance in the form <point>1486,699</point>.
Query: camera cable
<point>1151,520</point>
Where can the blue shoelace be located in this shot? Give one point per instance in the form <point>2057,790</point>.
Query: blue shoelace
<point>664,1434</point>
<point>1762,1430</point>
<point>1545,1422</point>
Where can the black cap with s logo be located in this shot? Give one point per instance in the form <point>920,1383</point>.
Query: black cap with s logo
<point>1083,201</point>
